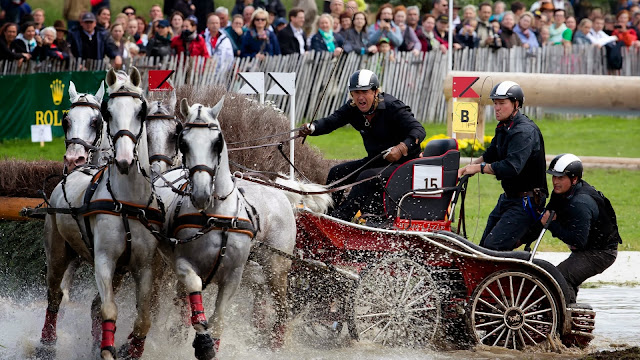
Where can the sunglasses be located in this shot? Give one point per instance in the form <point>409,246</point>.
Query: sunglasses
<point>129,13</point>
<point>261,19</point>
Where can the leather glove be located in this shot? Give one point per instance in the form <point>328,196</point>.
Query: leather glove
<point>394,154</point>
<point>307,129</point>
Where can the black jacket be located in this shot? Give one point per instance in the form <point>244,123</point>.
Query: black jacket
<point>159,46</point>
<point>585,219</point>
<point>393,123</point>
<point>288,42</point>
<point>355,41</point>
<point>7,53</point>
<point>516,155</point>
<point>77,37</point>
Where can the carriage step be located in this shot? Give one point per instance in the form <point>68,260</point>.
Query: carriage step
<point>582,319</point>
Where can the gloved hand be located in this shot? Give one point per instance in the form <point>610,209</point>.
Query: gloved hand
<point>394,154</point>
<point>307,129</point>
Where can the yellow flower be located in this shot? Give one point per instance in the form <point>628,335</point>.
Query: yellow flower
<point>434,137</point>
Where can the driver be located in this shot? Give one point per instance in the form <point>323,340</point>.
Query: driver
<point>387,126</point>
<point>584,220</point>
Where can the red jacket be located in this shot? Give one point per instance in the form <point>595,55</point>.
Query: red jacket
<point>627,37</point>
<point>197,47</point>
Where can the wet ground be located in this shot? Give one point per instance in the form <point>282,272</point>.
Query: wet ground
<point>618,312</point>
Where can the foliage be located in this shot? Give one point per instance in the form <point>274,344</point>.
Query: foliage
<point>467,147</point>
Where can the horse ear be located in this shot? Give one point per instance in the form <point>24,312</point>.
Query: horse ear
<point>215,111</point>
<point>100,94</point>
<point>73,94</point>
<point>184,107</point>
<point>111,77</point>
<point>135,76</point>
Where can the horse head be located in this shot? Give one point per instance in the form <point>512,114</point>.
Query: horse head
<point>125,113</point>
<point>82,126</point>
<point>162,133</point>
<point>203,149</point>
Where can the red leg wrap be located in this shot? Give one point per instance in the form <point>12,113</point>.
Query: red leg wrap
<point>216,344</point>
<point>197,309</point>
<point>108,334</point>
<point>49,335</point>
<point>277,340</point>
<point>136,346</point>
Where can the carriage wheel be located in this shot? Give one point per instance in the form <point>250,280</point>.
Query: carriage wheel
<point>397,304</point>
<point>512,309</point>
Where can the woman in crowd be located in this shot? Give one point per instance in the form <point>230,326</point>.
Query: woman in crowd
<point>141,34</point>
<point>61,36</point>
<point>325,39</point>
<point>524,31</point>
<point>48,49</point>
<point>426,35</point>
<point>356,38</point>
<point>235,32</point>
<point>572,25</point>
<point>346,23</point>
<point>160,42</point>
<point>259,41</point>
<point>545,35</point>
<point>580,36</point>
<point>469,12</point>
<point>625,34</point>
<point>103,18</point>
<point>385,27</point>
<point>410,41</point>
<point>8,34</point>
<point>120,44</point>
<point>26,41</point>
<point>176,19</point>
<point>508,37</point>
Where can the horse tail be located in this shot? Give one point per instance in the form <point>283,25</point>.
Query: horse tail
<point>317,203</point>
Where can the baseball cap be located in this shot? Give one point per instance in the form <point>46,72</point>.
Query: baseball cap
<point>163,23</point>
<point>443,18</point>
<point>279,21</point>
<point>88,17</point>
<point>383,40</point>
<point>193,18</point>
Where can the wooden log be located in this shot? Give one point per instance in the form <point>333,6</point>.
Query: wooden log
<point>11,206</point>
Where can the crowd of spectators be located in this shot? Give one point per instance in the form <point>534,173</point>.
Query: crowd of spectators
<point>257,28</point>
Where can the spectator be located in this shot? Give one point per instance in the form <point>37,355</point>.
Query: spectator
<point>337,8</point>
<point>235,32</point>
<point>258,41</point>
<point>8,34</point>
<point>456,10</point>
<point>467,36</point>
<point>468,13</point>
<point>442,33</point>
<point>140,36</point>
<point>427,35</point>
<point>292,39</point>
<point>599,37</point>
<point>571,25</point>
<point>38,19</point>
<point>518,8</point>
<point>345,23</point>
<point>356,39</point>
<point>507,36</point>
<point>413,17</point>
<point>72,10</point>
<point>272,6</point>
<point>410,41</point>
<point>595,12</point>
<point>48,49</point>
<point>61,37</point>
<point>247,15</point>
<point>11,10</point>
<point>484,30</point>
<point>545,36</point>
<point>202,10</point>
<point>278,25</point>
<point>499,8</point>
<point>103,18</point>
<point>560,33</point>
<point>218,43</point>
<point>554,4</point>
<point>523,30</point>
<point>238,8</point>
<point>384,27</point>
<point>119,44</point>
<point>580,38</point>
<point>609,24</point>
<point>130,11</point>
<point>167,8</point>
<point>155,13</point>
<point>99,4</point>
<point>189,42</point>
<point>547,9</point>
<point>160,42</point>
<point>351,8</point>
<point>185,7</point>
<point>223,15</point>
<point>440,7</point>
<point>176,19</point>
<point>385,48</point>
<point>87,43</point>
<point>325,39</point>
<point>25,42</point>
<point>625,34</point>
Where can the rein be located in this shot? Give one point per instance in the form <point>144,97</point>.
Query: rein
<point>89,147</point>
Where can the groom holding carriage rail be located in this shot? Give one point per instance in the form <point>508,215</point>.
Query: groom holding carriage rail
<point>391,136</point>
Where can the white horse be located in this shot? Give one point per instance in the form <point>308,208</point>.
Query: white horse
<point>162,131</point>
<point>85,131</point>
<point>122,210</point>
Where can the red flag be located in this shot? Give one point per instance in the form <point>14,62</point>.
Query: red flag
<point>158,80</point>
<point>462,87</point>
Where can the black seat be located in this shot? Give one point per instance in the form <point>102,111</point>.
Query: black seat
<point>441,159</point>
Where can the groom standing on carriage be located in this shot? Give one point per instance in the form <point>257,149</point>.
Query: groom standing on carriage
<point>391,136</point>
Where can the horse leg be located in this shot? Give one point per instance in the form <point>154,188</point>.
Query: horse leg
<point>96,317</point>
<point>226,289</point>
<point>277,272</point>
<point>134,348</point>
<point>104,273</point>
<point>203,343</point>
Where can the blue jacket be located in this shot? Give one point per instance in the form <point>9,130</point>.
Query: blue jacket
<point>318,44</point>
<point>251,45</point>
<point>75,42</point>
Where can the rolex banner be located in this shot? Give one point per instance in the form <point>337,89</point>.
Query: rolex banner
<point>40,99</point>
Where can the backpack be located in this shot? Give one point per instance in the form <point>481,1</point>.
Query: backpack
<point>614,55</point>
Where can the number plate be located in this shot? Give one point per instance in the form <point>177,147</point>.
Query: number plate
<point>427,177</point>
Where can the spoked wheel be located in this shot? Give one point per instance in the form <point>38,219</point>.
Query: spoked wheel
<point>321,327</point>
<point>512,309</point>
<point>397,304</point>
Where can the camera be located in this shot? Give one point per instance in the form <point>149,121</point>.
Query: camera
<point>616,26</point>
<point>387,20</point>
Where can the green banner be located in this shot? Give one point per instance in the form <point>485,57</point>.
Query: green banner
<point>37,99</point>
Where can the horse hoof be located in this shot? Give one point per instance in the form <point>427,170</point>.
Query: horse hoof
<point>132,349</point>
<point>45,352</point>
<point>203,345</point>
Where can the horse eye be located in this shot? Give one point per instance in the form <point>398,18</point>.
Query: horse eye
<point>94,122</point>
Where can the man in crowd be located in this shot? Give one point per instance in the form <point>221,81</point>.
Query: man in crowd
<point>218,43</point>
<point>440,7</point>
<point>88,43</point>
<point>559,32</point>
<point>292,38</point>
<point>518,8</point>
<point>597,36</point>
<point>516,157</point>
<point>387,127</point>
<point>155,13</point>
<point>223,14</point>
<point>485,33</point>
<point>38,19</point>
<point>235,32</point>
<point>130,11</point>
<point>413,17</point>
<point>247,12</point>
<point>584,220</point>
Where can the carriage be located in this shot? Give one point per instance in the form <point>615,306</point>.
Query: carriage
<point>415,282</point>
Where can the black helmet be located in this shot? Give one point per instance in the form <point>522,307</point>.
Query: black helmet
<point>566,164</point>
<point>363,80</point>
<point>508,90</point>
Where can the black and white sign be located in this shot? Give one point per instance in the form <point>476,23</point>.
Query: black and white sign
<point>427,177</point>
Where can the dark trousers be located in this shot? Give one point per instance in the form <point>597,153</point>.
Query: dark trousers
<point>509,226</point>
<point>583,264</point>
<point>367,196</point>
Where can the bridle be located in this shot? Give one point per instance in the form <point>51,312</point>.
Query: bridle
<point>90,148</point>
<point>142,114</point>
<point>179,127</point>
